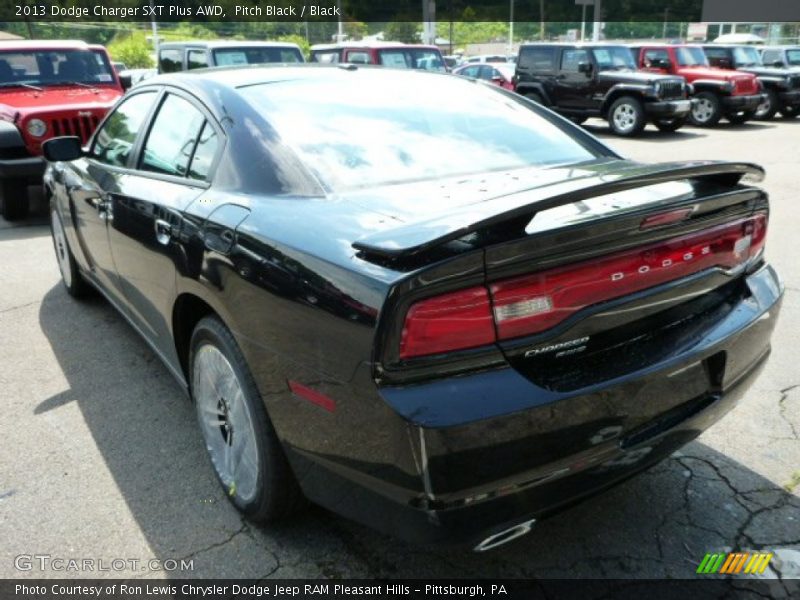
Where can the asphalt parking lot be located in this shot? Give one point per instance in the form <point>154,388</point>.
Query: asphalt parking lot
<point>101,459</point>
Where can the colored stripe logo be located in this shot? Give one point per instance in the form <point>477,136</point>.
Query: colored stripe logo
<point>750,563</point>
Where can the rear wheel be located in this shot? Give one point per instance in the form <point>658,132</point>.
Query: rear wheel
<point>740,117</point>
<point>669,125</point>
<point>14,199</point>
<point>245,452</point>
<point>626,116</point>
<point>706,110</point>
<point>73,280</point>
<point>767,109</point>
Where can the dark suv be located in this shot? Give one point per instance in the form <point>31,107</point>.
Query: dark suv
<point>781,86</point>
<point>601,80</point>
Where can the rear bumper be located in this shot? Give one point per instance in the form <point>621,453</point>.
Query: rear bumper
<point>739,103</point>
<point>30,169</point>
<point>668,108</point>
<point>790,98</point>
<point>492,449</point>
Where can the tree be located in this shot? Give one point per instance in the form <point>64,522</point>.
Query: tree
<point>300,40</point>
<point>131,49</point>
<point>402,31</point>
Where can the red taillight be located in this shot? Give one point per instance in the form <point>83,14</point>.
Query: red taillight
<point>454,321</point>
<point>536,302</point>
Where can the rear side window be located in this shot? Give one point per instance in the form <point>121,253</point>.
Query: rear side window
<point>572,57</point>
<point>204,153</point>
<point>537,59</point>
<point>770,57</point>
<point>172,138</point>
<point>114,141</point>
<point>197,59</point>
<point>169,60</point>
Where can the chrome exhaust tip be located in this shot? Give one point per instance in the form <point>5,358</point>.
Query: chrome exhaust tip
<point>503,537</point>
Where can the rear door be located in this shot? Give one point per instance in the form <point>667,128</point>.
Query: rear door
<point>573,88</point>
<point>173,168</point>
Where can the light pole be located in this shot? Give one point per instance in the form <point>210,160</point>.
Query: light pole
<point>597,21</point>
<point>511,27</point>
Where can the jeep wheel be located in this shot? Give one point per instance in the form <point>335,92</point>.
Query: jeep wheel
<point>790,112</point>
<point>14,199</point>
<point>535,97</point>
<point>669,125</point>
<point>767,109</point>
<point>626,116</point>
<point>740,117</point>
<point>707,110</point>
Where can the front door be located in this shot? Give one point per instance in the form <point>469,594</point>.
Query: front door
<point>573,87</point>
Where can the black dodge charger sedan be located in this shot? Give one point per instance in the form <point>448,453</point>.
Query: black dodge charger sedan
<point>421,301</point>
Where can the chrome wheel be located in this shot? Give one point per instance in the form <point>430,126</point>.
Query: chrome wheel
<point>703,110</point>
<point>62,250</point>
<point>764,108</point>
<point>226,423</point>
<point>624,117</point>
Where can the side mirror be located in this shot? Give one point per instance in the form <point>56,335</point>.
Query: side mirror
<point>584,67</point>
<point>778,63</point>
<point>125,81</point>
<point>62,149</point>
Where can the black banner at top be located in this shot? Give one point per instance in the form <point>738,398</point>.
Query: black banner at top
<point>399,10</point>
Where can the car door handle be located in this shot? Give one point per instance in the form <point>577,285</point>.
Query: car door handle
<point>163,231</point>
<point>103,207</point>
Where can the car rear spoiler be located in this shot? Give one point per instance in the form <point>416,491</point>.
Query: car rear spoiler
<point>413,239</point>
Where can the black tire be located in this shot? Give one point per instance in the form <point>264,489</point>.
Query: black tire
<point>740,117</point>
<point>14,199</point>
<point>535,97</point>
<point>626,117</point>
<point>71,277</point>
<point>706,111</point>
<point>790,112</point>
<point>670,125</point>
<point>767,109</point>
<point>276,492</point>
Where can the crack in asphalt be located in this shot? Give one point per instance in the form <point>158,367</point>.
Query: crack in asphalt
<point>12,308</point>
<point>782,409</point>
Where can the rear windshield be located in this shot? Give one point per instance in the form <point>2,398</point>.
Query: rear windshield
<point>691,57</point>
<point>54,67</point>
<point>407,58</point>
<point>251,56</point>
<point>386,129</point>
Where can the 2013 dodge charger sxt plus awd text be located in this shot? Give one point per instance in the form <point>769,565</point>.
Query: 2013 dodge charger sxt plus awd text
<point>365,318</point>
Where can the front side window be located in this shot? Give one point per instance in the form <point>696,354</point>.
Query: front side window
<point>329,56</point>
<point>358,58</point>
<point>613,58</point>
<point>54,67</point>
<point>691,57</point>
<point>172,138</point>
<point>256,55</point>
<point>383,131</point>
<point>659,55</point>
<point>114,140</point>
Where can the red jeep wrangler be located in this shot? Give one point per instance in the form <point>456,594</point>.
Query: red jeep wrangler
<point>717,92</point>
<point>47,89</point>
<point>388,54</point>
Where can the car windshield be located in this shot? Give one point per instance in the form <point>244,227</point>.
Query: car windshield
<point>410,58</point>
<point>384,129</point>
<point>54,67</point>
<point>613,58</point>
<point>691,57</point>
<point>252,56</point>
<point>746,56</point>
<point>793,57</point>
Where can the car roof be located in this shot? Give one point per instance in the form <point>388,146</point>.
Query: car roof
<point>43,45</point>
<point>227,44</point>
<point>573,44</point>
<point>361,44</point>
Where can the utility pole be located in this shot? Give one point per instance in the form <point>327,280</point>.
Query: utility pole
<point>541,20</point>
<point>340,28</point>
<point>154,27</point>
<point>511,28</point>
<point>598,16</point>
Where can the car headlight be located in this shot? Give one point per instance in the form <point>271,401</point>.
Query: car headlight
<point>36,127</point>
